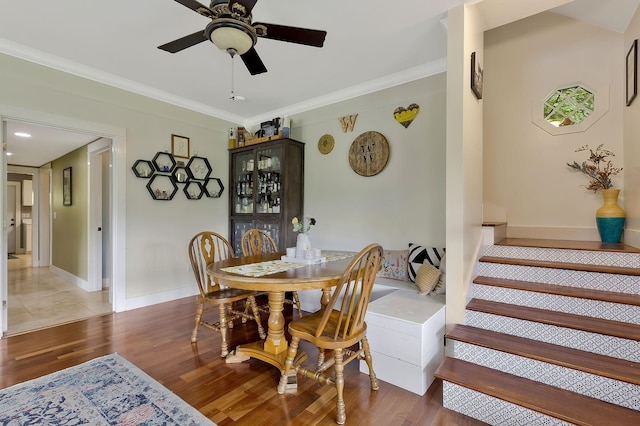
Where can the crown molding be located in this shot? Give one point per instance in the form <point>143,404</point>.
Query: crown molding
<point>36,56</point>
<point>411,74</point>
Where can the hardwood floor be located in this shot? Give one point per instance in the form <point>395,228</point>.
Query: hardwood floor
<point>157,340</point>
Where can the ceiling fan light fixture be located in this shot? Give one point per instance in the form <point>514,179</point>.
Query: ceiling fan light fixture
<point>230,35</point>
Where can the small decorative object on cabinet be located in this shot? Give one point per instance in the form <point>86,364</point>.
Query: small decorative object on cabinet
<point>267,190</point>
<point>143,169</point>
<point>164,162</point>
<point>162,187</point>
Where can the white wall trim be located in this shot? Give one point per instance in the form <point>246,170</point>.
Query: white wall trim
<point>83,284</point>
<point>165,296</point>
<point>119,187</point>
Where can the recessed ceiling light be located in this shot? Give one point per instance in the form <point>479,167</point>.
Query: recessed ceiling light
<point>9,154</point>
<point>22,134</point>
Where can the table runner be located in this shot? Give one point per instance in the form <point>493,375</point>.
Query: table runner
<point>274,266</point>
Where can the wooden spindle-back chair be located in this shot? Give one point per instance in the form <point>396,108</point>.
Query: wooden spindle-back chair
<point>339,326</point>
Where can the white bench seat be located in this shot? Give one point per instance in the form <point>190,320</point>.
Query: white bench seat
<point>405,330</point>
<point>406,333</point>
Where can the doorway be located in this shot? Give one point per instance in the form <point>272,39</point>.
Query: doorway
<point>43,244</point>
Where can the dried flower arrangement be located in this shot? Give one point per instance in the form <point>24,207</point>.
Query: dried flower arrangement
<point>597,167</point>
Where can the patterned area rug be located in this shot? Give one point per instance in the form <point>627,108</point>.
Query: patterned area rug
<point>104,391</point>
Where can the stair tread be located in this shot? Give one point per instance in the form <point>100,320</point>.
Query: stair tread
<point>568,244</point>
<point>549,400</point>
<point>602,365</point>
<point>562,290</point>
<point>562,265</point>
<point>560,319</point>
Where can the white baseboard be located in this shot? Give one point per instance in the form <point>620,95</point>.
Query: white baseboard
<point>83,284</point>
<point>155,298</point>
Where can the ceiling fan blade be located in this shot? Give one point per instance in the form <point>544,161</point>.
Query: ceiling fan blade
<point>247,4</point>
<point>197,7</point>
<point>293,34</point>
<point>184,42</point>
<point>253,62</point>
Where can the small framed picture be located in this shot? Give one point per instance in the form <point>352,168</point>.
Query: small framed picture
<point>180,146</point>
<point>476,76</point>
<point>66,187</point>
<point>632,72</point>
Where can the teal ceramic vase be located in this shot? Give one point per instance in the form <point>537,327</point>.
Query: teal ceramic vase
<point>610,217</point>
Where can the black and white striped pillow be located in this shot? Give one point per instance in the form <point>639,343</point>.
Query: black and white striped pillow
<point>419,254</point>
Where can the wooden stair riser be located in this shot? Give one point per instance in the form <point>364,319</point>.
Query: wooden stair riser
<point>571,305</point>
<point>491,410</point>
<point>623,260</point>
<point>582,340</point>
<point>603,388</point>
<point>592,280</point>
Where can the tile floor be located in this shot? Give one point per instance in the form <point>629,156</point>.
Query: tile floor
<point>38,298</point>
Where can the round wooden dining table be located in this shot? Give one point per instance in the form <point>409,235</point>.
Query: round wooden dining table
<point>324,276</point>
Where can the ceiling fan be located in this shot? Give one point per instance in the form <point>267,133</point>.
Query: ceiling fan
<point>231,30</point>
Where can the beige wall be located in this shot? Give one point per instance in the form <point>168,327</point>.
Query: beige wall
<point>69,225</point>
<point>526,180</point>
<point>631,144</point>
<point>155,233</point>
<point>406,201</point>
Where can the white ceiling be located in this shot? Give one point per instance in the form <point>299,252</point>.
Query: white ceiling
<point>370,45</point>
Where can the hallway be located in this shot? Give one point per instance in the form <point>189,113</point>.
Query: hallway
<point>38,298</point>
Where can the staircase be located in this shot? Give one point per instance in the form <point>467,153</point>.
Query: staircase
<point>551,337</point>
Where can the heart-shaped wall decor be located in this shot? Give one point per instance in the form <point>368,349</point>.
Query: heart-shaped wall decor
<point>406,115</point>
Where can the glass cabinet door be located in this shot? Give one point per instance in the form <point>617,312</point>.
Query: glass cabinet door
<point>268,185</point>
<point>244,183</point>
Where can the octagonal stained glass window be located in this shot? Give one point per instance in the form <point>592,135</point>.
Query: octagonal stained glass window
<point>568,106</point>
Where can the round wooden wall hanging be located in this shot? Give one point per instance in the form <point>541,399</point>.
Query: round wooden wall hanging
<point>325,144</point>
<point>369,154</point>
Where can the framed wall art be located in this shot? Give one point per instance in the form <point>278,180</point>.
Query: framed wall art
<point>476,76</point>
<point>632,72</point>
<point>66,187</point>
<point>180,146</point>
